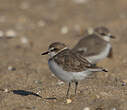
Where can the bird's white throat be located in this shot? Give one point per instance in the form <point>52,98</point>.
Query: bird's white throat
<point>106,38</point>
<point>52,53</point>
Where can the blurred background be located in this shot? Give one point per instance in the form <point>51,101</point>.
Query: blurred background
<point>27,27</point>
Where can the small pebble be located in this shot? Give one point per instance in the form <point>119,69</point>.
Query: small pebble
<point>97,96</point>
<point>38,82</point>
<point>114,109</point>
<point>60,83</point>
<point>11,68</point>
<point>1,34</point>
<point>41,23</point>
<point>6,90</point>
<point>68,101</point>
<point>80,1</point>
<point>10,34</point>
<point>86,108</point>
<point>64,30</point>
<point>24,40</point>
<point>52,75</point>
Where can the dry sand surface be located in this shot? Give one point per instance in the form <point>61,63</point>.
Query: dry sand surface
<point>27,27</point>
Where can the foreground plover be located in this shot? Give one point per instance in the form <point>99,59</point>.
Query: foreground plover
<point>68,66</point>
<point>95,45</point>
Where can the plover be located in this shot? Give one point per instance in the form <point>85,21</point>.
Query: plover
<point>68,66</point>
<point>95,45</point>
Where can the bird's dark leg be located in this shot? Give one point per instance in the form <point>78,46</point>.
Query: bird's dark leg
<point>76,85</point>
<point>69,85</point>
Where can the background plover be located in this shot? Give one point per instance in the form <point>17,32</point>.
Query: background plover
<point>95,45</point>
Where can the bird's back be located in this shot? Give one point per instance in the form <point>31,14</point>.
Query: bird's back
<point>90,45</point>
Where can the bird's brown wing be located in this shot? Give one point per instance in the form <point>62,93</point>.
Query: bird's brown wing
<point>90,45</point>
<point>70,61</point>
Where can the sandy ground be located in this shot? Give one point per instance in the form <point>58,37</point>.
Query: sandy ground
<point>27,27</point>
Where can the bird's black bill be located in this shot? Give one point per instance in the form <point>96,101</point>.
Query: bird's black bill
<point>113,37</point>
<point>45,53</point>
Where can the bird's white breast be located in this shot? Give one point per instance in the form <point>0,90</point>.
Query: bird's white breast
<point>64,75</point>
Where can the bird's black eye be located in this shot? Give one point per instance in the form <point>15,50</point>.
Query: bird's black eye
<point>53,49</point>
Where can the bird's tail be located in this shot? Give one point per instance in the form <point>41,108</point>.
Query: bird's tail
<point>98,69</point>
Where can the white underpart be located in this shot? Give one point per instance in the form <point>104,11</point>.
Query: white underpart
<point>67,76</point>
<point>102,55</point>
<point>51,54</point>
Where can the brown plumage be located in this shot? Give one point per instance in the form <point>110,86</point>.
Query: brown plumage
<point>92,44</point>
<point>72,62</point>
